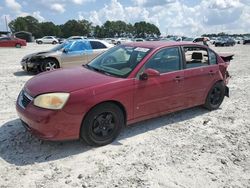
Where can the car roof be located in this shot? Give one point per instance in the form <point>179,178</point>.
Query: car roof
<point>161,44</point>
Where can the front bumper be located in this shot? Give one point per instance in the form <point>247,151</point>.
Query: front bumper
<point>49,124</point>
<point>30,66</point>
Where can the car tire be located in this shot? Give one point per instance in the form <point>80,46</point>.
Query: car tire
<point>102,124</point>
<point>18,45</point>
<point>39,42</point>
<point>215,96</point>
<point>54,42</point>
<point>49,64</point>
<point>118,43</point>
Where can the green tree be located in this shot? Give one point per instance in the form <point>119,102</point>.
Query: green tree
<point>49,28</point>
<point>144,29</point>
<point>27,23</point>
<point>74,27</point>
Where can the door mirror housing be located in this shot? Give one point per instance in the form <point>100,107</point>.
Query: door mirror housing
<point>149,73</point>
<point>65,50</point>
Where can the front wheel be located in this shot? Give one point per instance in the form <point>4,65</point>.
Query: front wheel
<point>215,96</point>
<point>102,124</point>
<point>49,64</point>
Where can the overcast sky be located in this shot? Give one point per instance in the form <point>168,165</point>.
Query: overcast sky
<point>188,17</point>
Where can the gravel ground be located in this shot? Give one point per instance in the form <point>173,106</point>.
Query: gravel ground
<point>191,148</point>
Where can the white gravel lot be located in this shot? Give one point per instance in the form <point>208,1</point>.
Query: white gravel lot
<point>191,148</point>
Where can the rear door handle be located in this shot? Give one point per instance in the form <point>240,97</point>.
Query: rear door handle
<point>178,78</point>
<point>211,73</point>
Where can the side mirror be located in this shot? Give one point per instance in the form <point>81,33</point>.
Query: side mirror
<point>65,50</point>
<point>149,73</point>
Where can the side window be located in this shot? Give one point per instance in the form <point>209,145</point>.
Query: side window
<point>195,57</point>
<point>212,58</point>
<point>166,60</point>
<point>79,46</point>
<point>97,45</point>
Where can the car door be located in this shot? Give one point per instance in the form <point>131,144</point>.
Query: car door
<point>48,40</point>
<point>76,54</point>
<point>97,49</point>
<point>199,74</point>
<point>162,93</point>
<point>5,42</point>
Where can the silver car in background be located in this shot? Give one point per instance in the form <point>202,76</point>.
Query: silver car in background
<point>68,54</point>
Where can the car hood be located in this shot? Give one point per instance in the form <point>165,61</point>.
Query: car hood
<point>45,53</point>
<point>66,80</point>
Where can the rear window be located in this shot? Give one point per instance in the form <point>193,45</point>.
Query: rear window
<point>97,45</point>
<point>196,57</point>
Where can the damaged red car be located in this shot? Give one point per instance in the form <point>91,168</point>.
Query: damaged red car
<point>126,84</point>
<point>12,42</point>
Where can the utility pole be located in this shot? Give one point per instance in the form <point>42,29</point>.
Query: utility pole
<point>6,24</point>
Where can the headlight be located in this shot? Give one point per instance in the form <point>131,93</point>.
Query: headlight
<point>52,101</point>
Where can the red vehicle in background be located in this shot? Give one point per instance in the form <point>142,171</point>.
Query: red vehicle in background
<point>12,42</point>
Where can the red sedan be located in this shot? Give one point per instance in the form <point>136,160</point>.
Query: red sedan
<point>126,84</point>
<point>12,42</point>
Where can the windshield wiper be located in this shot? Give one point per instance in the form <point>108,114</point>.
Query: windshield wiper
<point>97,70</point>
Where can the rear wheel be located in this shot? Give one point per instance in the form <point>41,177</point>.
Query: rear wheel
<point>102,124</point>
<point>18,45</point>
<point>49,64</point>
<point>215,96</point>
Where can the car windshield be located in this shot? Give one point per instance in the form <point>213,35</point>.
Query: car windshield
<point>119,61</point>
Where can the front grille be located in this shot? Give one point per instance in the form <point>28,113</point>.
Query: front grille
<point>24,99</point>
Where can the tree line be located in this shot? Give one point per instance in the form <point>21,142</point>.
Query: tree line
<point>83,28</point>
<point>221,34</point>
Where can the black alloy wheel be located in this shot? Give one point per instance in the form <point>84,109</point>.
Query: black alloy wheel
<point>102,124</point>
<point>215,96</point>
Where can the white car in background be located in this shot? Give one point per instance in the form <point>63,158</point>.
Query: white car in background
<point>77,38</point>
<point>122,40</point>
<point>47,40</point>
<point>110,40</point>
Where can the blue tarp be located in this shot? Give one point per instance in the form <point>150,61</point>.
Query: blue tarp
<point>78,46</point>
